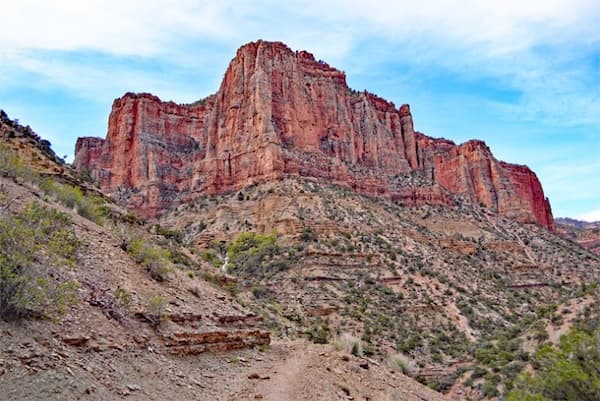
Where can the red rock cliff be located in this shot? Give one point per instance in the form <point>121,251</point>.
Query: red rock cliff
<point>279,113</point>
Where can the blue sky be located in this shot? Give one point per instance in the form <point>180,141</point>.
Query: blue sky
<point>522,75</point>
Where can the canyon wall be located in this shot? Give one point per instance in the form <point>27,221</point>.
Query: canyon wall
<point>282,113</point>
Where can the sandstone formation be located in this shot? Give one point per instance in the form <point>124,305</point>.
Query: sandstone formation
<point>282,113</point>
<point>586,234</point>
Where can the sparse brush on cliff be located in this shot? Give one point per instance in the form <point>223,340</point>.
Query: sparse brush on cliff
<point>403,364</point>
<point>154,258</point>
<point>569,371</point>
<point>37,246</point>
<point>252,253</point>
<point>88,206</point>
<point>13,167</point>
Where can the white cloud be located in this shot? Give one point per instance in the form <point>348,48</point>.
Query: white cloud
<point>591,216</point>
<point>145,27</point>
<point>130,27</point>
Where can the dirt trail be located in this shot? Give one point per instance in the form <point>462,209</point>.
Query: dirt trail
<point>300,371</point>
<point>285,383</point>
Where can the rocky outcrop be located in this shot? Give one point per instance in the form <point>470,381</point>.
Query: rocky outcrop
<point>586,234</point>
<point>36,152</point>
<point>282,113</point>
<point>191,343</point>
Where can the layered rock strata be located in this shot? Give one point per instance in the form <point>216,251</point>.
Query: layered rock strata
<point>282,113</point>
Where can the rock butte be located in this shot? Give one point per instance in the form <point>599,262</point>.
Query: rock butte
<point>281,113</point>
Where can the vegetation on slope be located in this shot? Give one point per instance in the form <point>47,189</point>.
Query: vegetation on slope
<point>569,371</point>
<point>37,246</point>
<point>462,293</point>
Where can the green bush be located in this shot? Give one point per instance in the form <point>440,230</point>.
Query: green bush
<point>156,310</point>
<point>12,166</point>
<point>122,298</point>
<point>155,259</point>
<point>91,207</point>
<point>174,235</point>
<point>570,371</point>
<point>255,254</point>
<point>36,246</point>
<point>210,256</point>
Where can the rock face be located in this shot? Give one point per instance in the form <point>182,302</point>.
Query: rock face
<point>584,233</point>
<point>282,113</point>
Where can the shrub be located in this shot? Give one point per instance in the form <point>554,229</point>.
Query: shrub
<point>12,166</point>
<point>319,334</point>
<point>403,364</point>
<point>211,257</point>
<point>308,235</point>
<point>91,207</point>
<point>121,302</point>
<point>348,343</point>
<point>156,310</point>
<point>123,298</point>
<point>570,371</point>
<point>252,253</point>
<point>36,246</point>
<point>154,258</point>
<point>170,234</point>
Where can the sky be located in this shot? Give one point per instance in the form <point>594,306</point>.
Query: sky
<point>524,75</point>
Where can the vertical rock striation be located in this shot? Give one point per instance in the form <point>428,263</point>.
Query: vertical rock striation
<point>282,113</point>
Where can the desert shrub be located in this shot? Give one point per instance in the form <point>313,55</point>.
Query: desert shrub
<point>404,364</point>
<point>121,303</point>
<point>255,254</point>
<point>177,257</point>
<point>156,260</point>
<point>37,245</point>
<point>123,298</point>
<point>261,292</point>
<point>152,257</point>
<point>569,371</point>
<point>156,310</point>
<point>308,235</point>
<point>170,234</point>
<point>250,242</point>
<point>319,333</point>
<point>348,343</point>
<point>12,166</point>
<point>210,256</point>
<point>91,207</point>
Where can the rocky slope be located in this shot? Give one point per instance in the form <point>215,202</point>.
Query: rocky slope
<point>130,336</point>
<point>350,293</point>
<point>32,150</point>
<point>280,113</point>
<point>463,292</point>
<point>586,234</point>
<point>207,347</point>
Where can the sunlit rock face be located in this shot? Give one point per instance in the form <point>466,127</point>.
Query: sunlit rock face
<point>282,113</point>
